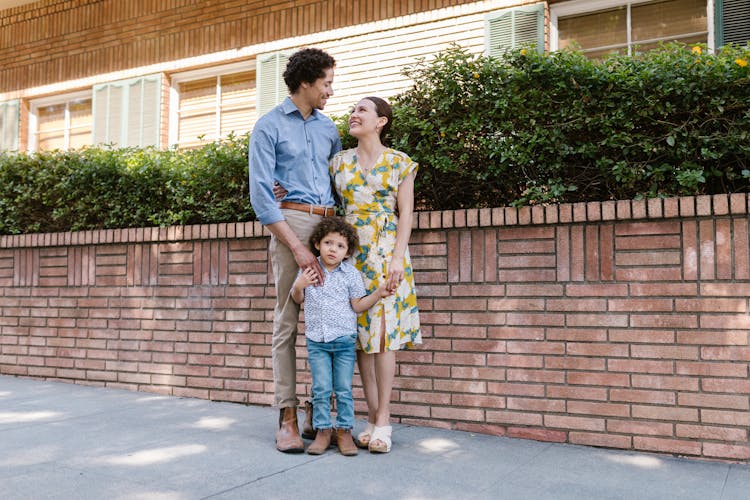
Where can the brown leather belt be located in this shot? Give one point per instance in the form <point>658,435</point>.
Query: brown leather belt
<point>310,209</point>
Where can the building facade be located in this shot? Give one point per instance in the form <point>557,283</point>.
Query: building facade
<point>183,72</point>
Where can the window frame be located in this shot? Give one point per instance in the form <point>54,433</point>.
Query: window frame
<point>176,79</point>
<point>578,7</point>
<point>65,99</point>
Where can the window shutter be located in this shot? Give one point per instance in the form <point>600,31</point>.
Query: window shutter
<point>732,22</point>
<point>9,125</point>
<point>127,113</point>
<point>512,28</point>
<point>271,87</point>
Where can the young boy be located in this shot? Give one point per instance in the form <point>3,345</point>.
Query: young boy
<point>331,329</point>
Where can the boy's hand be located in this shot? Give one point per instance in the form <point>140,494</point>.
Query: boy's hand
<point>383,290</point>
<point>308,277</point>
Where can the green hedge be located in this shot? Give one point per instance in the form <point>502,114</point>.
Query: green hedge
<point>115,188</point>
<point>528,128</point>
<point>540,128</point>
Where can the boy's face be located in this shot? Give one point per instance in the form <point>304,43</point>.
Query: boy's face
<point>333,249</point>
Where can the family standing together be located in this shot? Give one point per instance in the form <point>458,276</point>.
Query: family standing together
<point>353,273</point>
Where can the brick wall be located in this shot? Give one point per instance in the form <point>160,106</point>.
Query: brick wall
<point>620,324</point>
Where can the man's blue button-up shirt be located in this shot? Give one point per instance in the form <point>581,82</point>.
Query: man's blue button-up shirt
<point>295,152</point>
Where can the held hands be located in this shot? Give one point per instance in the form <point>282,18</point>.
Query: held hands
<point>308,262</point>
<point>382,291</point>
<point>395,275</point>
<point>307,278</point>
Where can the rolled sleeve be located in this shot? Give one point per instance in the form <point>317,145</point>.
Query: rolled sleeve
<point>262,160</point>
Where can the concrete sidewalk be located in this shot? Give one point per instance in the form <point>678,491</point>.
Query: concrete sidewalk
<point>65,441</point>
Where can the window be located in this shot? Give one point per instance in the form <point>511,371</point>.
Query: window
<point>209,106</point>
<point>127,113</point>
<point>9,125</point>
<point>602,27</point>
<point>511,28</point>
<point>271,87</point>
<point>61,123</point>
<point>732,20</point>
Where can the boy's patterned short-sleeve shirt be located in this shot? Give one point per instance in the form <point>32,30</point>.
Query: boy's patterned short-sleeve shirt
<point>328,309</point>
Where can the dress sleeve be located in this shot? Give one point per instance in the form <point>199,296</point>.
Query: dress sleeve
<point>407,167</point>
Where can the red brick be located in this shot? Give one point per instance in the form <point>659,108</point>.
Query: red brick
<point>515,389</point>
<point>515,360</point>
<point>642,428</point>
<point>641,396</point>
<point>574,363</point>
<point>731,386</point>
<point>725,451</point>
<point>664,352</point>
<point>479,345</point>
<point>545,435</point>
<point>711,369</point>
<point>665,382</point>
<point>457,414</point>
<point>477,373</point>
<point>544,376</point>
<point>602,440</point>
<point>595,349</point>
<point>514,417</point>
<point>568,422</point>
<point>726,353</point>
<point>667,445</point>
<point>599,409</point>
<point>714,401</point>
<point>665,413</point>
<point>467,386</point>
<point>536,404</point>
<point>642,336</point>
<point>457,358</point>
<point>639,366</point>
<point>428,398</point>
<point>475,332</point>
<point>475,400</point>
<point>580,393</point>
<point>710,433</point>
<point>598,378</point>
<point>492,430</point>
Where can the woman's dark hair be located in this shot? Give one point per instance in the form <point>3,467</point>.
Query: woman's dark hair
<point>334,225</point>
<point>306,65</point>
<point>382,108</point>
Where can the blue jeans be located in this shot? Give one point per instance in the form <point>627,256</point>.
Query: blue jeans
<point>332,368</point>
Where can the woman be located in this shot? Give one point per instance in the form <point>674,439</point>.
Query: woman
<point>376,187</point>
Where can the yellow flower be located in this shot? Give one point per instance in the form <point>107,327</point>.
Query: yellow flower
<point>740,62</point>
<point>523,52</point>
<point>476,75</point>
<point>442,134</point>
<point>697,50</point>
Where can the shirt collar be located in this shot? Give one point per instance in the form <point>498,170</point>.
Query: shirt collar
<point>289,107</point>
<point>338,268</point>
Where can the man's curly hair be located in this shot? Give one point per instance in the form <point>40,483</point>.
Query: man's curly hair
<point>306,65</point>
<point>334,225</point>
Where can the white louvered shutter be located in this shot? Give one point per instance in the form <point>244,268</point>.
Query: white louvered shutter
<point>512,28</point>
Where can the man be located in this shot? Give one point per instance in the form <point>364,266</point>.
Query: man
<point>291,145</point>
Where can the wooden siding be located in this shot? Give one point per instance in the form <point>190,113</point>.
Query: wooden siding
<point>59,40</point>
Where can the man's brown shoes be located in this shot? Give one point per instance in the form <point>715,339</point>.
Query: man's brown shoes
<point>288,439</point>
<point>345,442</point>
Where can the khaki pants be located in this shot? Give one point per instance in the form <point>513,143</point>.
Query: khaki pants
<point>286,313</point>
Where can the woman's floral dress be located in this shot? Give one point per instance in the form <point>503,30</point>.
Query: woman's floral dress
<point>369,201</point>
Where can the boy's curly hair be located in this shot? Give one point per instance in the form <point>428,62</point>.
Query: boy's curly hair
<point>306,65</point>
<point>334,225</point>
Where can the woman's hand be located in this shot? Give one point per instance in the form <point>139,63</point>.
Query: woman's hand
<point>395,274</point>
